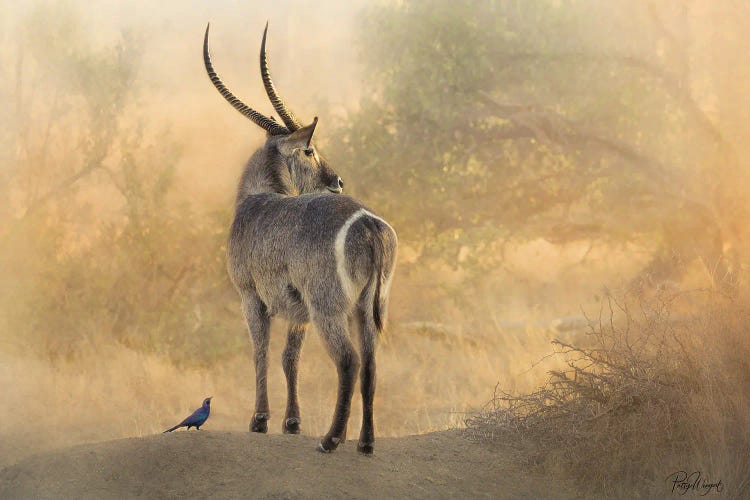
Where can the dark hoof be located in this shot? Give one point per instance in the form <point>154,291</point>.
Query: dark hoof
<point>328,444</point>
<point>291,425</point>
<point>259,423</point>
<point>365,448</point>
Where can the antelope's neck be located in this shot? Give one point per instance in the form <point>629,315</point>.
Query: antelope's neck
<point>265,173</point>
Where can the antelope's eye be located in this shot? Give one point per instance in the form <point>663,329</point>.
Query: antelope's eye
<point>309,152</point>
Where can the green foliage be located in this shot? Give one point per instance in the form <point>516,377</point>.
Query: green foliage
<point>488,120</point>
<point>96,247</point>
<point>484,124</point>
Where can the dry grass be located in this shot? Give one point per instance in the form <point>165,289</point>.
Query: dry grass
<point>653,388</point>
<point>425,382</point>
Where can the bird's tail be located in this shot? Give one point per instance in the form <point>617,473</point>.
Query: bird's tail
<point>172,428</point>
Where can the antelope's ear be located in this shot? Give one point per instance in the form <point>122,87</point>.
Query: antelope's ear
<point>301,138</point>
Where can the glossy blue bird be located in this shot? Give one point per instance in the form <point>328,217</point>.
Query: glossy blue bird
<point>196,419</point>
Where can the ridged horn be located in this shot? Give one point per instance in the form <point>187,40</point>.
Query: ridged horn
<point>286,114</point>
<point>259,119</point>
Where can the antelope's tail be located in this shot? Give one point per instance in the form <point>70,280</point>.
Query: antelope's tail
<point>383,258</point>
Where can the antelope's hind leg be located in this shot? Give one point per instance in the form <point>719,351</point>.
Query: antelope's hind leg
<point>258,322</point>
<point>290,360</point>
<point>368,343</point>
<point>334,331</point>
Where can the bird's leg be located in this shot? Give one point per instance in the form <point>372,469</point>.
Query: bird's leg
<point>258,322</point>
<point>289,360</point>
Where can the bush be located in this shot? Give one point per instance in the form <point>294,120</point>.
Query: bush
<point>651,389</point>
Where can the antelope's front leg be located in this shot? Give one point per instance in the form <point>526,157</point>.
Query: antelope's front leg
<point>259,323</point>
<point>290,360</point>
<point>336,338</point>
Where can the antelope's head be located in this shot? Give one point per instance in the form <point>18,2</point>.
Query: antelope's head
<point>296,164</point>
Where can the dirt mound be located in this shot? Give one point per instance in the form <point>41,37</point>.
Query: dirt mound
<point>231,464</point>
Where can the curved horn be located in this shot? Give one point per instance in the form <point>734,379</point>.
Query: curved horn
<point>290,120</point>
<point>259,119</point>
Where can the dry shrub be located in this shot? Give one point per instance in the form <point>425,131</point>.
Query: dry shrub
<point>660,383</point>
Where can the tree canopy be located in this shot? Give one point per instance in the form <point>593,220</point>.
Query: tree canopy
<point>565,120</point>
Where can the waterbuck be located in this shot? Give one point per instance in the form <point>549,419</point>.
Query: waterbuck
<point>301,250</point>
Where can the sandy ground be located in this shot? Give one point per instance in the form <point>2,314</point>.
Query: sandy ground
<point>232,464</point>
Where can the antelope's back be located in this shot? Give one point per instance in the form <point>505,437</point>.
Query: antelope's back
<point>285,247</point>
